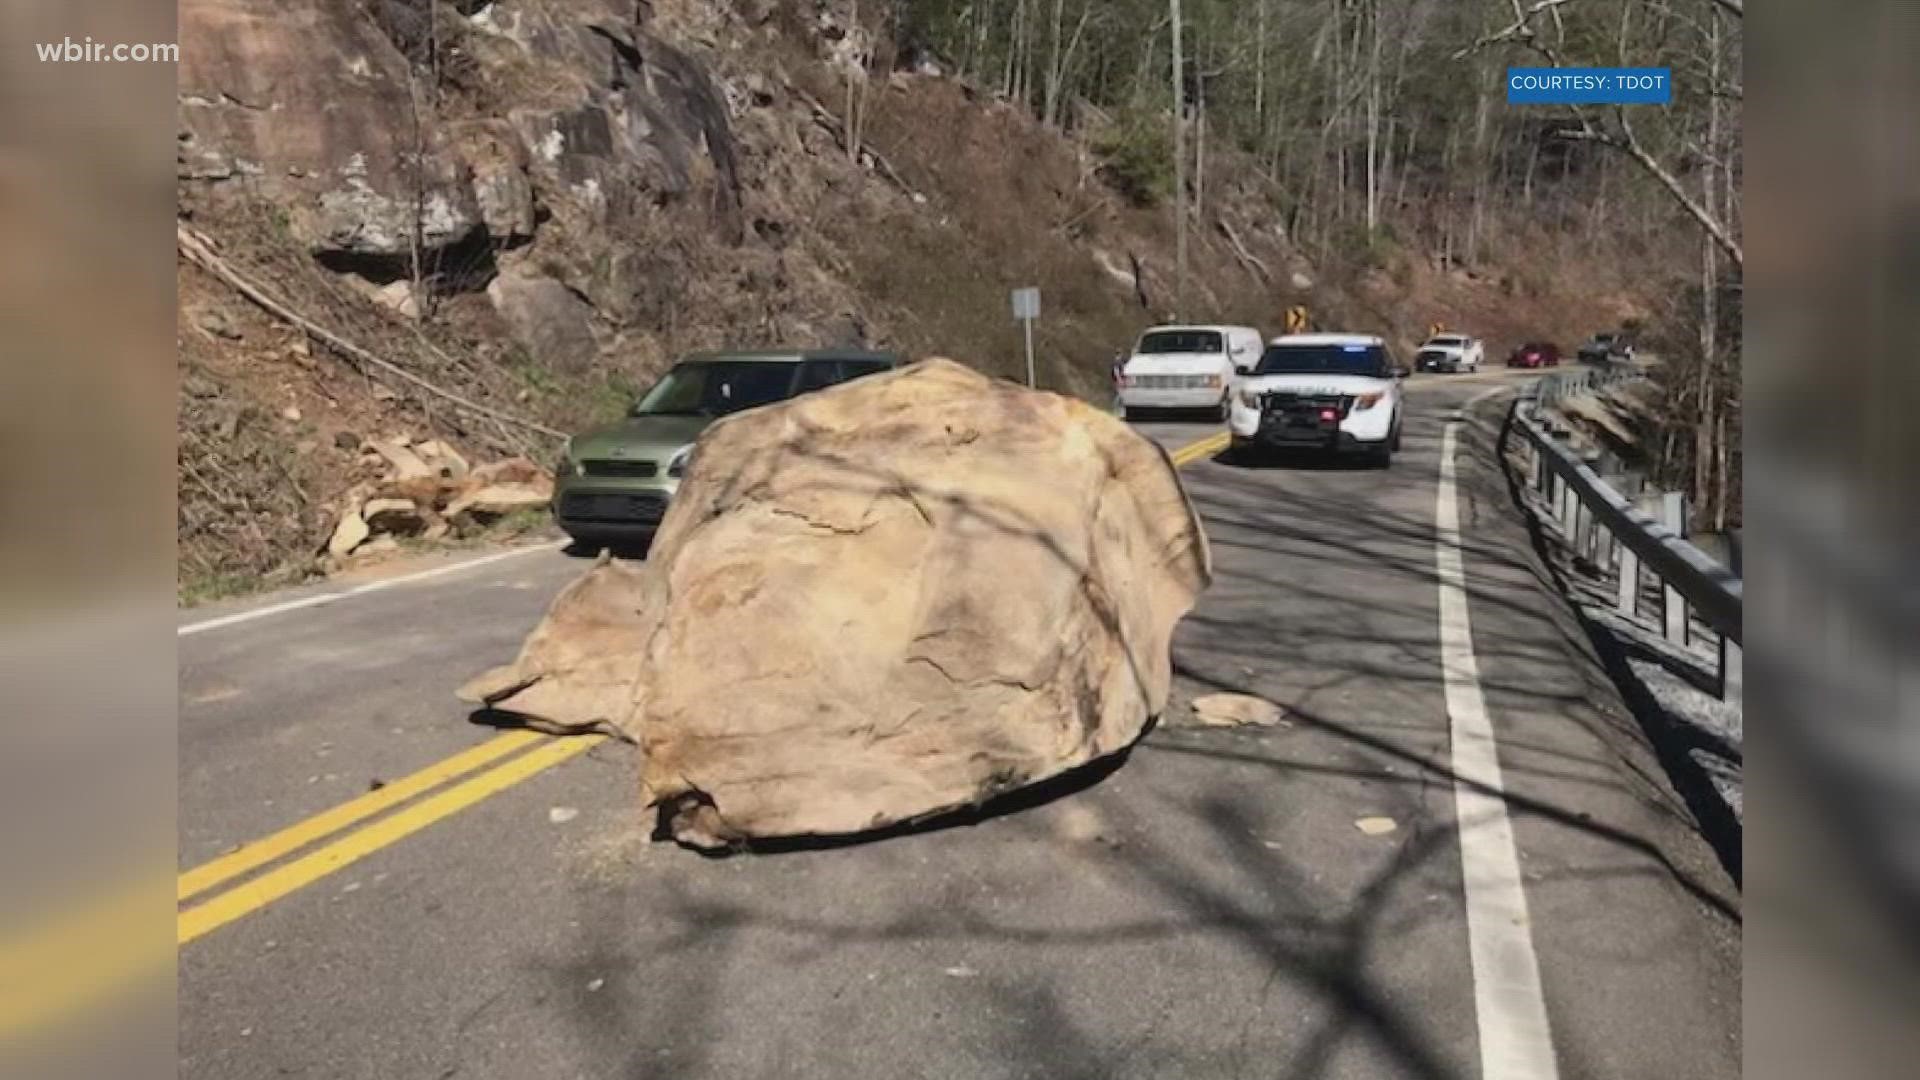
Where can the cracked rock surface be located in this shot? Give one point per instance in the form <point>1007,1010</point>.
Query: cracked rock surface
<point>882,602</point>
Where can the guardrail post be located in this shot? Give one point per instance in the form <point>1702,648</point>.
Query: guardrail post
<point>1629,599</point>
<point>1569,508</point>
<point>1611,550</point>
<point>1732,678</point>
<point>1673,514</point>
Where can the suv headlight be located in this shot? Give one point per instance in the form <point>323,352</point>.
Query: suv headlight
<point>567,465</point>
<point>1249,398</point>
<point>677,465</point>
<point>1368,401</point>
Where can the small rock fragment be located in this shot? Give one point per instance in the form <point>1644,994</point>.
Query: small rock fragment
<point>393,516</point>
<point>560,815</point>
<point>406,464</point>
<point>349,534</point>
<point>1376,826</point>
<point>1234,710</point>
<point>498,500</point>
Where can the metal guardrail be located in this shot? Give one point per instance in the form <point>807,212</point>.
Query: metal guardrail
<point>1556,388</point>
<point>1611,532</point>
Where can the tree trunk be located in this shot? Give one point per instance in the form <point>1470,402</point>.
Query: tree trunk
<point>1179,170</point>
<point>1200,132</point>
<point>1054,72</point>
<point>1373,122</point>
<point>1260,69</point>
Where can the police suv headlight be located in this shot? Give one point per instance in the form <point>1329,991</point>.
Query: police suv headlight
<point>1368,401</point>
<point>1249,399</point>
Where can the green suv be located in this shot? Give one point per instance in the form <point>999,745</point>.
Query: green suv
<point>614,483</point>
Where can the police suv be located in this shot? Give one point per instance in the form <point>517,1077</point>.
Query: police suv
<point>1334,392</point>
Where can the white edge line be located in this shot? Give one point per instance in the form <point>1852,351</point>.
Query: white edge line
<point>358,590</point>
<point>1516,1041</point>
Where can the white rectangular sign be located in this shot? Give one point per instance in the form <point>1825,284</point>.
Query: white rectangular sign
<point>1026,303</point>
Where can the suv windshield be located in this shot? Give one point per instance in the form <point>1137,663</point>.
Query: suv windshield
<point>717,388</point>
<point>1181,341</point>
<point>1324,360</point>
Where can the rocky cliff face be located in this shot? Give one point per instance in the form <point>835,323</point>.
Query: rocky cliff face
<point>542,142</point>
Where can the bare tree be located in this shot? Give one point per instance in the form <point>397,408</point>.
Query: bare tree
<point>1179,167</point>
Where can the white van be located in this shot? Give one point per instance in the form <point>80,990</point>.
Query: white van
<point>1188,367</point>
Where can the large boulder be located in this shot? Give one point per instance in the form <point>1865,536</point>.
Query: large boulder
<point>548,319</point>
<point>870,605</point>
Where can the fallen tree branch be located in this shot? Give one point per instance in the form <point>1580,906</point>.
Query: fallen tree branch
<point>849,142</point>
<point>1247,258</point>
<point>199,251</point>
<point>1067,225</point>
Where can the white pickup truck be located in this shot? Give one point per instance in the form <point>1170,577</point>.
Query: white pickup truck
<point>1333,392</point>
<point>1451,352</point>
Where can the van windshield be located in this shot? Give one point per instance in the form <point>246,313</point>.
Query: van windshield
<point>1324,360</point>
<point>1181,341</point>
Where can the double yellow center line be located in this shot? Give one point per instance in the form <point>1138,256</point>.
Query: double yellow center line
<point>1205,448</point>
<point>203,918</point>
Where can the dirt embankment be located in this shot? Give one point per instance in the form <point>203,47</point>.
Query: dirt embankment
<point>527,208</point>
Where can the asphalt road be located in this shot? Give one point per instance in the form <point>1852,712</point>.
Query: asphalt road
<point>1209,909</point>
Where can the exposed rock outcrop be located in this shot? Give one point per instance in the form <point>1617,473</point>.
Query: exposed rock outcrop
<point>424,140</point>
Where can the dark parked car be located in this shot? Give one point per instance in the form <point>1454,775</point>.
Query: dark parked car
<point>1535,354</point>
<point>1605,348</point>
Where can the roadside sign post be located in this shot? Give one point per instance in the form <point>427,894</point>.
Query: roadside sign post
<point>1026,308</point>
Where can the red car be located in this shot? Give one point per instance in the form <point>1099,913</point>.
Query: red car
<point>1535,354</point>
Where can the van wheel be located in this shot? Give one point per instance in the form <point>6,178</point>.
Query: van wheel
<point>1220,411</point>
<point>1394,441</point>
